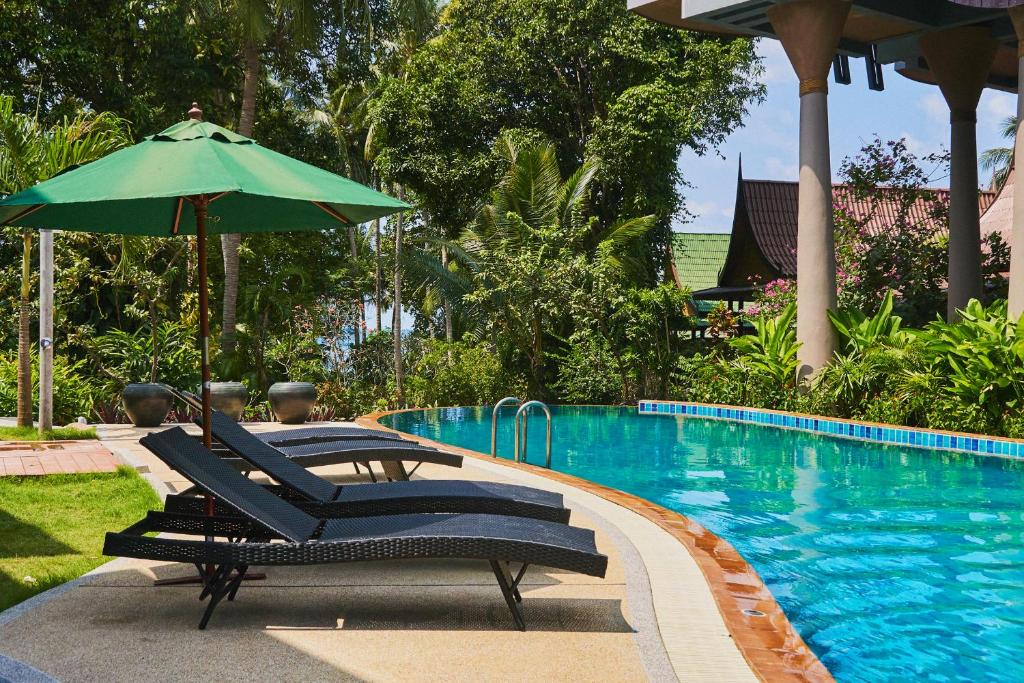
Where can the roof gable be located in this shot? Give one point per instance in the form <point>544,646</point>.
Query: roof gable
<point>698,258</point>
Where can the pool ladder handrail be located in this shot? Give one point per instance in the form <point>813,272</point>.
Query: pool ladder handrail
<point>494,421</point>
<point>524,412</point>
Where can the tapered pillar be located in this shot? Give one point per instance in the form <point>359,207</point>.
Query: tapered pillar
<point>1016,302</point>
<point>45,330</point>
<point>809,31</point>
<point>960,59</point>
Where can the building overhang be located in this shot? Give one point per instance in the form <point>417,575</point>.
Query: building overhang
<point>886,30</point>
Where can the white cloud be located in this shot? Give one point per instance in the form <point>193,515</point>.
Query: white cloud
<point>920,147</point>
<point>997,105</point>
<point>777,68</point>
<point>934,107</point>
<point>777,169</point>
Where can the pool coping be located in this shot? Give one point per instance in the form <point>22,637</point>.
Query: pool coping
<point>842,428</point>
<point>770,645</point>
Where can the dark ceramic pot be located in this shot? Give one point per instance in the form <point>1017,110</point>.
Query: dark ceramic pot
<point>292,401</point>
<point>229,398</point>
<point>147,405</point>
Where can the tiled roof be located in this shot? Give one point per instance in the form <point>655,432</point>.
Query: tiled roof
<point>999,217</point>
<point>698,258</point>
<point>772,208</point>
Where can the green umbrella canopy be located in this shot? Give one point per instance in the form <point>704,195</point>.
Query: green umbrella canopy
<point>141,190</point>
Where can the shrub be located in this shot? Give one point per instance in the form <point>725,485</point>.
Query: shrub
<point>459,374</point>
<point>771,350</point>
<point>124,357</point>
<point>73,391</point>
<point>588,373</point>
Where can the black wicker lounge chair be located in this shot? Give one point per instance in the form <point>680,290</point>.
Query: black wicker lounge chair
<point>391,453</point>
<point>323,498</point>
<point>299,436</point>
<point>261,518</point>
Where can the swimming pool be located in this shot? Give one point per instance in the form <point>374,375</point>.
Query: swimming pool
<point>891,563</point>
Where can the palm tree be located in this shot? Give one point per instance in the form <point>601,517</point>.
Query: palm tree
<point>999,160</point>
<point>411,23</point>
<point>258,22</point>
<point>535,224</point>
<point>31,153</point>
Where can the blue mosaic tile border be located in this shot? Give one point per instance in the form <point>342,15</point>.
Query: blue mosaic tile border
<point>899,436</point>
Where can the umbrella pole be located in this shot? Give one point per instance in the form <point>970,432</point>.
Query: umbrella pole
<point>200,205</point>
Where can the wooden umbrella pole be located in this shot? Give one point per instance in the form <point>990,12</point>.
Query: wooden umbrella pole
<point>200,204</point>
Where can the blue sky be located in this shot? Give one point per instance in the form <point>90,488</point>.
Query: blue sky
<point>768,140</point>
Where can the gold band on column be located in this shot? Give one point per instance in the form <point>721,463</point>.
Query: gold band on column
<point>963,115</point>
<point>809,85</point>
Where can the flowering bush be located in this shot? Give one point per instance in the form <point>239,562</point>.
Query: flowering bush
<point>892,233</point>
<point>773,298</point>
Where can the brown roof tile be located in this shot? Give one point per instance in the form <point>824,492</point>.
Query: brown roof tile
<point>772,208</point>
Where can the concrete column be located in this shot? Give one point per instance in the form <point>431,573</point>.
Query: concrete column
<point>1016,300</point>
<point>960,59</point>
<point>45,330</point>
<point>809,31</point>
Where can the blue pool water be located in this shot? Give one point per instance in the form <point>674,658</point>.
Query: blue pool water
<point>893,564</point>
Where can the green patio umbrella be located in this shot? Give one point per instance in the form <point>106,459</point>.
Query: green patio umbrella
<point>196,178</point>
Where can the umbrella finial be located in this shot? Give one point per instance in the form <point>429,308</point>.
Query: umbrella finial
<point>195,113</point>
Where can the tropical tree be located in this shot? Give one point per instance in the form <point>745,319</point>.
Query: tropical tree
<point>31,153</point>
<point>258,22</point>
<point>592,79</point>
<point>999,160</point>
<point>532,243</point>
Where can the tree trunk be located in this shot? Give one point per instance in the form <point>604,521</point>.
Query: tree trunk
<point>154,346</point>
<point>537,357</point>
<point>449,334</point>
<point>229,243</point>
<point>377,286</point>
<point>24,338</point>
<point>396,326</point>
<point>357,304</point>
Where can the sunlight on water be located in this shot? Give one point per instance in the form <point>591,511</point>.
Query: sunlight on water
<point>892,564</point>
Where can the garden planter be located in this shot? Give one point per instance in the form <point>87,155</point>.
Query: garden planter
<point>292,401</point>
<point>229,398</point>
<point>147,405</point>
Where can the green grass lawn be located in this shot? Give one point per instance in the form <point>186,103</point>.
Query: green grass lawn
<point>55,434</point>
<point>51,527</point>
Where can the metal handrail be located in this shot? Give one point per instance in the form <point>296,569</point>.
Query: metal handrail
<point>524,412</point>
<point>494,421</point>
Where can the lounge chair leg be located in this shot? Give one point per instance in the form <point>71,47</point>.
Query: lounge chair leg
<point>394,470</point>
<point>213,580</point>
<point>217,588</point>
<point>237,581</point>
<point>504,578</point>
<point>519,577</point>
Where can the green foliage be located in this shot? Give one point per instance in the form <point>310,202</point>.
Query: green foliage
<point>963,376</point>
<point>589,371</point>
<point>981,359</point>
<point>459,374</point>
<point>771,350</point>
<point>124,357</point>
<point>74,390</point>
<point>857,333</point>
<point>891,233</point>
<point>595,80</point>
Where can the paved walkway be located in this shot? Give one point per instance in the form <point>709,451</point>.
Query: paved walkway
<point>55,457</point>
<point>384,621</point>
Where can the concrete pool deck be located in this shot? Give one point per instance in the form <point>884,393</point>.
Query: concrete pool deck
<point>653,617</point>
